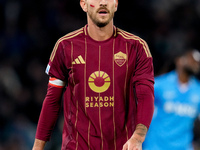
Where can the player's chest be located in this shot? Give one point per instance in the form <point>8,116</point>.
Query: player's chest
<point>101,61</point>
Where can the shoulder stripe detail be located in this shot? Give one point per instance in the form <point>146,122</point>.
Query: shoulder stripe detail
<point>56,82</point>
<point>127,35</point>
<point>68,36</point>
<point>125,32</point>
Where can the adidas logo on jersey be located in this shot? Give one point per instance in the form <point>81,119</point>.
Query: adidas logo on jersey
<point>79,60</point>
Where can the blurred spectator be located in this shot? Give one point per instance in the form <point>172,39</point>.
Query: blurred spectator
<point>177,101</point>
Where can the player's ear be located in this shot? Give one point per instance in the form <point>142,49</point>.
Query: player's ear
<point>116,5</point>
<point>83,5</point>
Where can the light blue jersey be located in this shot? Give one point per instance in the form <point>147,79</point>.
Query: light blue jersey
<point>176,107</point>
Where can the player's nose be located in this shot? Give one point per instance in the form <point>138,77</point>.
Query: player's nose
<point>103,2</point>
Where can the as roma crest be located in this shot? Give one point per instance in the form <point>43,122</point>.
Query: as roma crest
<point>120,58</point>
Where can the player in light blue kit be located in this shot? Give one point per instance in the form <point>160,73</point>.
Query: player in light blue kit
<point>177,104</point>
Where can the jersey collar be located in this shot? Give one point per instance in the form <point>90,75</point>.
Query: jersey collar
<point>86,32</point>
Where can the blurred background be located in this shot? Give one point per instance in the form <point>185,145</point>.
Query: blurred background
<point>30,28</point>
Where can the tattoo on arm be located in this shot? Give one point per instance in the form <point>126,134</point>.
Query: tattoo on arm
<point>140,133</point>
<point>141,130</point>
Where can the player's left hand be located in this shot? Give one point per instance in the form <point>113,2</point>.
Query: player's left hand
<point>132,144</point>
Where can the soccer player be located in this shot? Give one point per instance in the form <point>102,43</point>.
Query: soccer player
<point>177,105</point>
<point>107,78</point>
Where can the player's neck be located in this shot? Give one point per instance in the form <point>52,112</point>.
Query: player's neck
<point>100,34</point>
<point>183,76</point>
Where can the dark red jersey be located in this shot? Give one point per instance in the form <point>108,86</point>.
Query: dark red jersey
<point>109,88</point>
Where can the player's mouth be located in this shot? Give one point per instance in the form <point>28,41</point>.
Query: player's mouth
<point>103,12</point>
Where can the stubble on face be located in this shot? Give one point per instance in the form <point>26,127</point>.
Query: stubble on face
<point>101,21</point>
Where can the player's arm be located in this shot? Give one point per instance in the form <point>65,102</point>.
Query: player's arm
<point>145,107</point>
<point>143,85</point>
<point>39,144</point>
<point>136,140</point>
<point>140,133</point>
<point>51,107</point>
<point>49,113</point>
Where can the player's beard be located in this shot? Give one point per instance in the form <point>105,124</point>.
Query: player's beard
<point>98,22</point>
